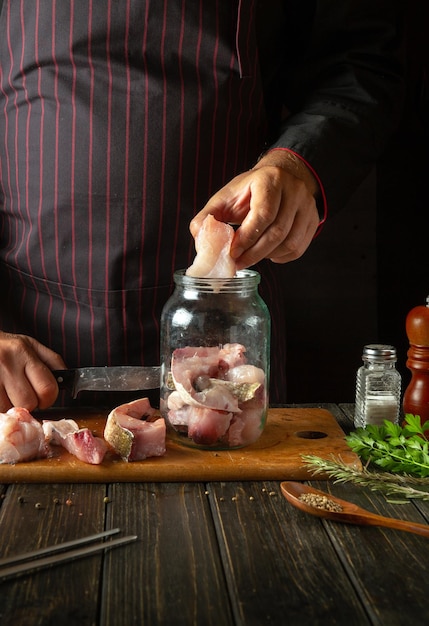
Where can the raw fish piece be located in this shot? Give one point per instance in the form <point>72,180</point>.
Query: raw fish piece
<point>206,426</point>
<point>246,374</point>
<point>133,438</point>
<point>232,355</point>
<point>78,441</point>
<point>21,437</point>
<point>213,244</point>
<point>175,401</point>
<point>246,427</point>
<point>203,426</point>
<point>192,370</point>
<point>218,397</point>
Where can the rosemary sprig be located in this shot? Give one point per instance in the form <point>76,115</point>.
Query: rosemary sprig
<point>390,484</point>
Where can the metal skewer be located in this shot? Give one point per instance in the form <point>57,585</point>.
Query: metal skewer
<point>31,561</point>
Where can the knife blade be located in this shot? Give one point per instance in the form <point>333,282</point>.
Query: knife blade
<point>116,378</point>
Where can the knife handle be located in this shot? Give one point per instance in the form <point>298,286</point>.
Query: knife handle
<point>65,379</point>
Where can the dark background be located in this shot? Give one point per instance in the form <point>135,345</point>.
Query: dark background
<point>370,265</point>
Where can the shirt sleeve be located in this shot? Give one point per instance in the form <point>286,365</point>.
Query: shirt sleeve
<point>340,82</point>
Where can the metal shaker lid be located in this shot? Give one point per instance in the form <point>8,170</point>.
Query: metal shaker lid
<point>379,351</point>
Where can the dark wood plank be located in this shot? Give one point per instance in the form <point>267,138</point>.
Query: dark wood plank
<point>174,574</point>
<point>388,567</point>
<point>3,489</point>
<point>281,566</point>
<point>348,409</point>
<point>66,594</point>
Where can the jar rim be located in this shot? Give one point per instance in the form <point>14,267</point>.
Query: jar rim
<point>243,278</point>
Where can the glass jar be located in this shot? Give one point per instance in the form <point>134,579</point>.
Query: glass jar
<point>215,336</point>
<point>378,387</point>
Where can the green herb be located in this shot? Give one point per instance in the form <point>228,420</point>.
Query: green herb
<point>396,485</point>
<point>394,448</point>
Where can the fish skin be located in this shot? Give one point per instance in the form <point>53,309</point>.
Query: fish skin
<point>131,437</point>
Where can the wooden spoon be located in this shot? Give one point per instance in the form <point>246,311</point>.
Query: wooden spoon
<point>350,513</point>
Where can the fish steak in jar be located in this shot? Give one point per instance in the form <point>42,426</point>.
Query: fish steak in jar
<point>215,344</point>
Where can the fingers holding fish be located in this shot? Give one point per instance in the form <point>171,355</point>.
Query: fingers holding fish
<point>299,237</point>
<point>239,203</point>
<point>276,212</point>
<point>281,221</point>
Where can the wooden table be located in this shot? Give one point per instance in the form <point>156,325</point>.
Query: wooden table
<point>233,553</point>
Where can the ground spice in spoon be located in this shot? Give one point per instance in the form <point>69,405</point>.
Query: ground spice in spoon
<point>320,502</point>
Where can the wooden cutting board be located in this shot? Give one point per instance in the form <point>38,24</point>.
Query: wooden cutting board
<point>289,434</point>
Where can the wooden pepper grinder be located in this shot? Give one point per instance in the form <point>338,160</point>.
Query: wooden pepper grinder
<point>416,396</point>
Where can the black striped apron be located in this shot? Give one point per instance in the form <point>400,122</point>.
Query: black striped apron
<point>118,121</point>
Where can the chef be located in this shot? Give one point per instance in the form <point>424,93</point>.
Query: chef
<point>124,122</point>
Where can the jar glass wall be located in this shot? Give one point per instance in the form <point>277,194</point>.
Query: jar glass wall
<point>215,336</point>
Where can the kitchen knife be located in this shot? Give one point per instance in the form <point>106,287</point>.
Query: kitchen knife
<point>117,378</point>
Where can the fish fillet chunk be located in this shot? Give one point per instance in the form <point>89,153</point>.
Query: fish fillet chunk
<point>78,441</point>
<point>218,397</point>
<point>133,438</point>
<point>213,244</point>
<point>21,437</point>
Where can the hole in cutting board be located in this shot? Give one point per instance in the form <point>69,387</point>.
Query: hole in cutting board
<point>311,434</point>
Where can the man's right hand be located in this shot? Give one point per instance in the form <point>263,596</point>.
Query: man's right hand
<point>26,379</point>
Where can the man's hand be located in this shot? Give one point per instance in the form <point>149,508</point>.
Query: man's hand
<point>275,206</point>
<point>25,373</point>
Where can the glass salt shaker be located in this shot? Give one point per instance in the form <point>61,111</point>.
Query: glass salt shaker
<point>378,387</point>
<point>215,335</point>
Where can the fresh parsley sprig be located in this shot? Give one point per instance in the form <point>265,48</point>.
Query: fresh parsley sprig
<point>394,448</point>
